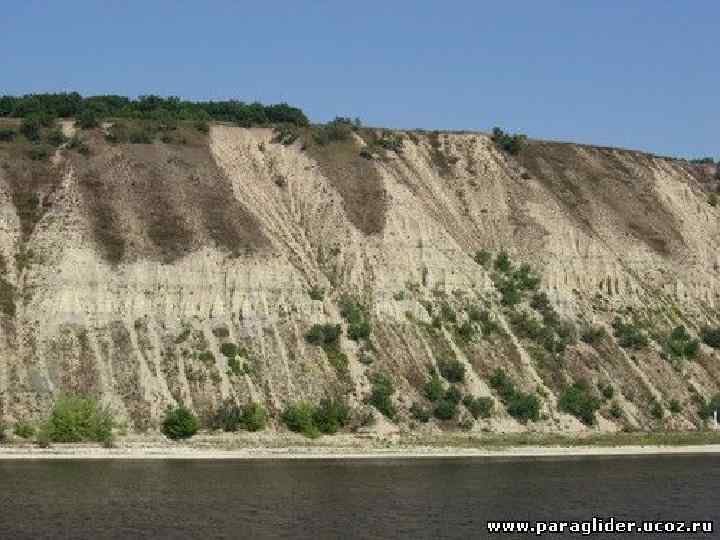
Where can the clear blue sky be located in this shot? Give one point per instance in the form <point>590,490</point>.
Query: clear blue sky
<point>641,74</point>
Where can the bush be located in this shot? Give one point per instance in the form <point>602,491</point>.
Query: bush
<point>483,258</point>
<point>525,278</point>
<point>337,130</point>
<point>39,152</point>
<point>254,417</point>
<point>713,200</point>
<point>331,415</point>
<point>7,135</point>
<point>77,144</point>
<point>202,126</point>
<point>316,293</point>
<point>679,344</point>
<point>323,335</point>
<point>452,370</point>
<point>3,428</point>
<point>524,407</point>
<point>445,409</point>
<point>579,401</point>
<point>616,411</point>
<point>509,295</point>
<point>711,337</point>
<point>502,384</point>
<point>381,394</point>
<point>286,134</point>
<point>77,419</point>
<point>674,406</point>
<point>593,334</point>
<point>299,417</point>
<point>541,303</point>
<point>520,405</point>
<point>30,128</point>
<point>419,413</point>
<point>512,144</point>
<point>526,325</point>
<point>629,336</point>
<point>434,388</point>
<point>55,137</point>
<point>359,330</point>
<point>466,332</point>
<point>502,262</point>
<point>328,417</point>
<point>140,136</point>
<point>228,417</point>
<point>235,367</point>
<point>453,395</point>
<point>479,407</point>
<point>707,408</point>
<point>390,142</point>
<point>24,430</point>
<point>87,120</point>
<point>229,350</point>
<point>356,317</point>
<point>179,423</point>
<point>657,411</point>
<point>607,390</point>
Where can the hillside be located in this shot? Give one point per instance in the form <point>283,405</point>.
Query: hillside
<point>192,267</point>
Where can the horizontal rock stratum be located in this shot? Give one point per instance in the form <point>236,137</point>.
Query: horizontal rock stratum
<point>192,268</point>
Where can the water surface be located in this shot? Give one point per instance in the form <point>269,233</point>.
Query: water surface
<point>311,499</point>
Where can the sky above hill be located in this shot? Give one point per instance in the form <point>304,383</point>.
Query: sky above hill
<point>642,74</point>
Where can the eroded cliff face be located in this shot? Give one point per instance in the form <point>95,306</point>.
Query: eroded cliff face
<point>125,272</point>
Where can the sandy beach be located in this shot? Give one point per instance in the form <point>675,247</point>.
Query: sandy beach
<point>343,448</point>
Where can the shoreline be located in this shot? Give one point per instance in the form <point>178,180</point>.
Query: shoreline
<point>72,452</point>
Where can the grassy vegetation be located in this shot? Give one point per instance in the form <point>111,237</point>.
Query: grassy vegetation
<point>179,423</point>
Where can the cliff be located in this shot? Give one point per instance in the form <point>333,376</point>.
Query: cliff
<point>193,269</point>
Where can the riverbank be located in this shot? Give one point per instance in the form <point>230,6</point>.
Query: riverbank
<point>290,446</point>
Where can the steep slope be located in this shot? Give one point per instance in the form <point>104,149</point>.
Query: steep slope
<point>126,271</point>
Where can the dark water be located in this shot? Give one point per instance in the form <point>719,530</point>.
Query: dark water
<point>345,499</point>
